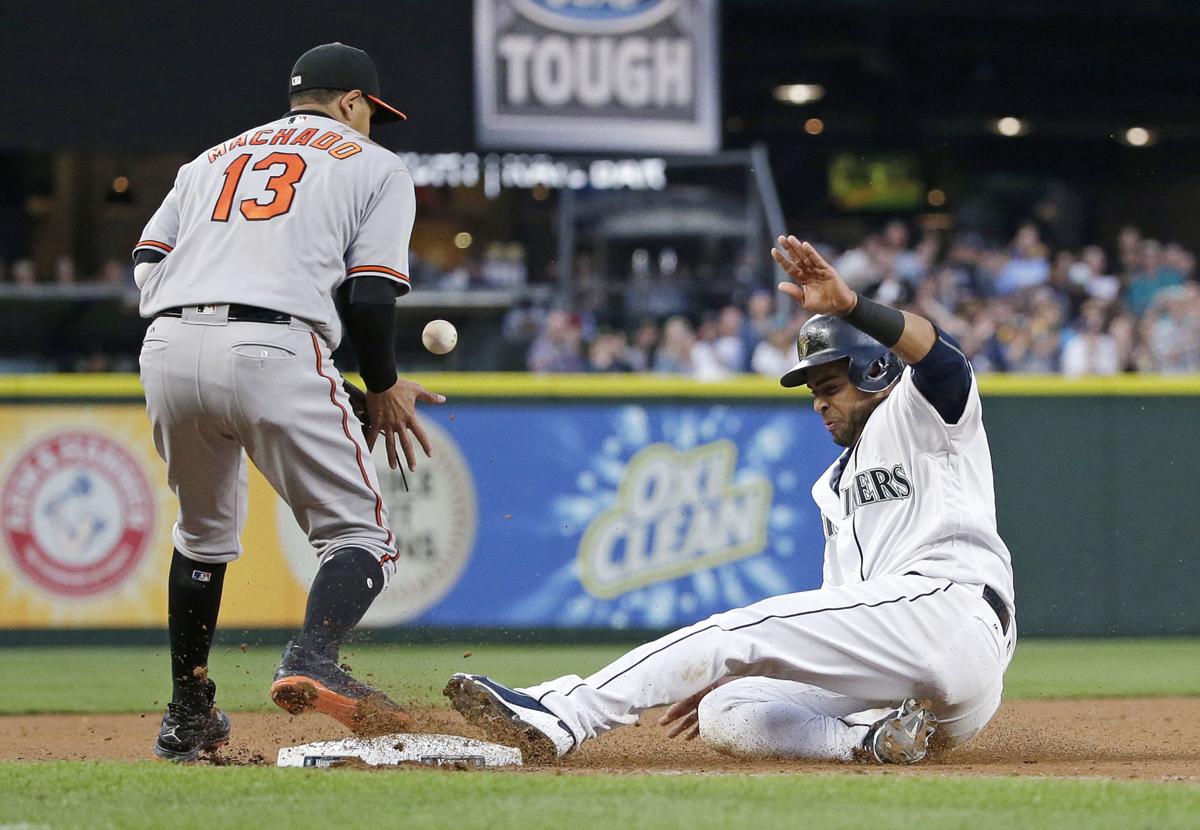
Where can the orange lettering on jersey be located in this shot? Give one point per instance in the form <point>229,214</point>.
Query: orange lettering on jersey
<point>345,150</point>
<point>305,136</point>
<point>326,141</point>
<point>215,153</point>
<point>257,138</point>
<point>282,136</point>
<point>240,141</point>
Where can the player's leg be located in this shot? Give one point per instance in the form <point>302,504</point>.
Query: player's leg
<point>299,431</point>
<point>207,472</point>
<point>883,640</point>
<point>765,717</point>
<point>759,716</point>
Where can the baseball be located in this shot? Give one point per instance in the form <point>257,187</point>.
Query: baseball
<point>439,336</point>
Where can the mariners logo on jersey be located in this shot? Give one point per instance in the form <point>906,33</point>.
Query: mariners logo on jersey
<point>879,484</point>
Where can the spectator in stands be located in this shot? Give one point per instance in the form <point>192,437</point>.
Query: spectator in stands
<point>1090,350</point>
<point>965,258</point>
<point>467,276</point>
<point>730,347</point>
<point>559,347</point>
<point>1180,260</point>
<point>1129,240</point>
<point>1027,265</point>
<point>858,267</point>
<point>760,319</point>
<point>1171,330</point>
<point>640,352</point>
<point>674,355</point>
<point>1151,275</point>
<point>504,266</point>
<point>775,355</point>
<point>64,270</point>
<point>907,265</point>
<point>115,272</point>
<point>707,364</point>
<point>1090,273</point>
<point>23,272</point>
<point>606,352</point>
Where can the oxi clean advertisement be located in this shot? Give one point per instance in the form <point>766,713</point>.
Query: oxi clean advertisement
<point>532,513</point>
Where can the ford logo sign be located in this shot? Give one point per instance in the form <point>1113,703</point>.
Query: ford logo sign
<point>596,16</point>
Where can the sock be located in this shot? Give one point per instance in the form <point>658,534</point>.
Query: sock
<point>346,585</point>
<point>193,600</point>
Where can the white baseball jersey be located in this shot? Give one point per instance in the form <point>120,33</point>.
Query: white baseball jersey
<point>914,494</point>
<point>278,217</point>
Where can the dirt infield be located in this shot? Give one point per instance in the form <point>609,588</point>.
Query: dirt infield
<point>1150,739</point>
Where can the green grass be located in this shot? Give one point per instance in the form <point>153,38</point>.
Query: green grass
<point>134,679</point>
<point>105,794</point>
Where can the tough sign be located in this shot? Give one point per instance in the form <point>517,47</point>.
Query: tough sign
<point>596,74</point>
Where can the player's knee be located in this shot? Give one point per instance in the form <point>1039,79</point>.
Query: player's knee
<point>217,550</point>
<point>734,723</point>
<point>385,556</point>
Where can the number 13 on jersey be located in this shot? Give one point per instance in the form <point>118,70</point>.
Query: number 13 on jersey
<point>282,187</point>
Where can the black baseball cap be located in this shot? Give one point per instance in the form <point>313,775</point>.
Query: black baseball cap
<point>338,66</point>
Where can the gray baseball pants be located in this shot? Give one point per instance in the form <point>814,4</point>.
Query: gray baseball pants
<point>218,391</point>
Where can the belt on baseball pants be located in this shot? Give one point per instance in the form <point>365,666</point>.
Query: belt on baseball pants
<point>239,314</point>
<point>992,599</point>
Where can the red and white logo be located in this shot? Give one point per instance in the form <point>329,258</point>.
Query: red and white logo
<point>77,513</point>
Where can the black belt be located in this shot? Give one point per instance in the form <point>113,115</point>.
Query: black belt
<point>239,314</point>
<point>992,599</point>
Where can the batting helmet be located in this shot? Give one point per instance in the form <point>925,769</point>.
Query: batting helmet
<point>824,339</point>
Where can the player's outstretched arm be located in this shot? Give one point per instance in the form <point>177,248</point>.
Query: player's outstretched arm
<point>940,370</point>
<point>818,287</point>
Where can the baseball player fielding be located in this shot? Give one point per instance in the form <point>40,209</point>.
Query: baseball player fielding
<point>268,247</point>
<point>914,625</point>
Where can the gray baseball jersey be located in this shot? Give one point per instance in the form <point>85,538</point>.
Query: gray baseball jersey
<point>277,218</point>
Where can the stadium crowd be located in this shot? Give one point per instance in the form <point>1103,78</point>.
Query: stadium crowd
<point>1018,307</point>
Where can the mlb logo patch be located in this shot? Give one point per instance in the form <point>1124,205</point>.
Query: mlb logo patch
<point>295,80</point>
<point>202,576</point>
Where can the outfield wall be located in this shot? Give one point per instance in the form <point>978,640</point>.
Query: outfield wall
<point>609,502</point>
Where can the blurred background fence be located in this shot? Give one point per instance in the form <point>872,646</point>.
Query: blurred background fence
<point>578,503</point>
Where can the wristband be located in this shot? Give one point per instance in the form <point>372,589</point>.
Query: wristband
<point>882,322</point>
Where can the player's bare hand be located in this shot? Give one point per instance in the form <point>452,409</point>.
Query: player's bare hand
<point>816,285</point>
<point>393,414</point>
<point>685,715</point>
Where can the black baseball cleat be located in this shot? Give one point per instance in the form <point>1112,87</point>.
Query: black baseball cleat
<point>308,681</point>
<point>186,732</point>
<point>511,717</point>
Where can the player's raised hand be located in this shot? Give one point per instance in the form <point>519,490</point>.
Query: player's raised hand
<point>816,285</point>
<point>393,414</point>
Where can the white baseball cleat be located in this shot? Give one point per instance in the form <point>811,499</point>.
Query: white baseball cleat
<point>902,736</point>
<point>509,716</point>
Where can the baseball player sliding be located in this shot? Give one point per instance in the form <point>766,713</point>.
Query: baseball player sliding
<point>239,269</point>
<point>914,625</point>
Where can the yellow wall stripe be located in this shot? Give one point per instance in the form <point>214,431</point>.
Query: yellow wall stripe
<point>520,385</point>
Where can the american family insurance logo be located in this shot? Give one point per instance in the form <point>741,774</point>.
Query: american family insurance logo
<point>76,513</point>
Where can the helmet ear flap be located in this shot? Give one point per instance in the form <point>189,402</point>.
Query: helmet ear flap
<point>877,369</point>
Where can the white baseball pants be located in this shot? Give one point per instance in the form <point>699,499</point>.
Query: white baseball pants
<point>217,391</point>
<point>815,669</point>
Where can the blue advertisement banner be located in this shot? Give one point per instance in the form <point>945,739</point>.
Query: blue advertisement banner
<point>611,515</point>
